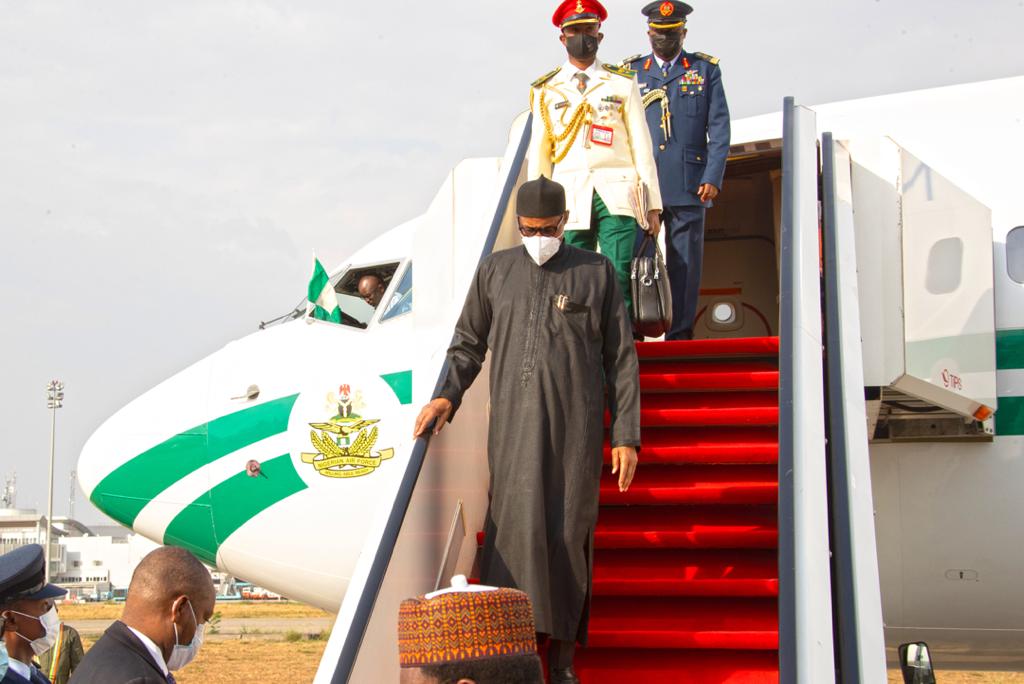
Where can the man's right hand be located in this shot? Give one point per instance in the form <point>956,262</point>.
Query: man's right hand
<point>436,412</point>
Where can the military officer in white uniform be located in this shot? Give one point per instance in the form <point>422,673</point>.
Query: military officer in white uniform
<point>589,134</point>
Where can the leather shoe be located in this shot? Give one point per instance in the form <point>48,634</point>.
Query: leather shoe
<point>566,675</point>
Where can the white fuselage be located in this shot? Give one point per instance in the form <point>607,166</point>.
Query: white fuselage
<point>173,463</point>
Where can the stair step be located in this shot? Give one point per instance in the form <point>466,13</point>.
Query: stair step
<point>683,417</point>
<point>644,572</point>
<point>707,445</point>
<point>688,623</point>
<point>707,409</point>
<point>675,376</point>
<point>723,348</point>
<point>615,666</point>
<point>679,527</point>
<point>702,484</point>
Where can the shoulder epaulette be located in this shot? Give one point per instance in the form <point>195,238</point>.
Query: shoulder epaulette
<point>545,78</point>
<point>707,58</point>
<point>619,71</point>
<point>629,60</point>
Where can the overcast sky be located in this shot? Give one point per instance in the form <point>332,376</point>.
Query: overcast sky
<point>166,168</point>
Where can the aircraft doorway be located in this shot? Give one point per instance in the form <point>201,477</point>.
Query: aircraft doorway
<point>740,281</point>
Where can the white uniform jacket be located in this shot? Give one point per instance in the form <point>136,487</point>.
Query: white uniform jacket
<point>612,148</point>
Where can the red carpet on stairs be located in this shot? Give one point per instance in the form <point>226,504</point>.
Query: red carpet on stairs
<point>685,569</point>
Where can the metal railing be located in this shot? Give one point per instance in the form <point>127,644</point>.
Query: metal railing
<point>858,608</point>
<point>379,567</point>
<point>805,591</point>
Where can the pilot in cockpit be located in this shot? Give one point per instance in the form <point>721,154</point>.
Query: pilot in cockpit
<point>371,289</point>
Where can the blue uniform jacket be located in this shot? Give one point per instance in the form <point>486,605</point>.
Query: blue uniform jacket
<point>12,677</point>
<point>696,151</point>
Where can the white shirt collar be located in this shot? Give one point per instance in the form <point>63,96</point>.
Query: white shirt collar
<point>661,62</point>
<point>154,650</point>
<point>570,70</point>
<point>21,668</point>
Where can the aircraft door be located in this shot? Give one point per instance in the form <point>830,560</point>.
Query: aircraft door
<point>924,250</point>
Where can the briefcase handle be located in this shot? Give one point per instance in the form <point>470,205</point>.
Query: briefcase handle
<point>641,250</point>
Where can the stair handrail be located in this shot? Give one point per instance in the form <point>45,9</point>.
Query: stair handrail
<point>855,562</point>
<point>805,591</point>
<point>396,518</point>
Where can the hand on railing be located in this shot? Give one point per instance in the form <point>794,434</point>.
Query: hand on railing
<point>433,415</point>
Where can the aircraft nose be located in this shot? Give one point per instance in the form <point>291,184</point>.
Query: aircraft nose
<point>147,446</point>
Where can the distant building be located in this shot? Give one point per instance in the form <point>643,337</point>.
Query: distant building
<point>92,563</point>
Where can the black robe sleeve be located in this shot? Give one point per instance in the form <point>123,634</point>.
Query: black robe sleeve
<point>621,368</point>
<point>469,346</point>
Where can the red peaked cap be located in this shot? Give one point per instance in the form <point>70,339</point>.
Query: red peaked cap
<point>573,12</point>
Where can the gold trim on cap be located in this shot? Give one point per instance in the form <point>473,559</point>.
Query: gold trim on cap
<point>668,26</point>
<point>574,22</point>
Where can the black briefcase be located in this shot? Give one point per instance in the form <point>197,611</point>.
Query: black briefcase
<point>652,296</point>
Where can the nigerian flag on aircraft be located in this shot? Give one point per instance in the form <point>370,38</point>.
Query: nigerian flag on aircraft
<point>323,302</point>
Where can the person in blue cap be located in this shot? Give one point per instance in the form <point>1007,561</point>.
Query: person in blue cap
<point>28,616</point>
<point>689,121</point>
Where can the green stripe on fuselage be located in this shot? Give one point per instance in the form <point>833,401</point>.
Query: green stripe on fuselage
<point>1010,416</point>
<point>207,522</point>
<point>127,490</point>
<point>1009,349</point>
<point>401,385</point>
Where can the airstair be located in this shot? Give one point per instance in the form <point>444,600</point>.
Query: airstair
<point>685,563</point>
<point>745,549</point>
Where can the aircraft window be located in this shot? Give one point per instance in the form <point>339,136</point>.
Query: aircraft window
<point>1015,254</point>
<point>360,291</point>
<point>401,300</point>
<point>945,266</point>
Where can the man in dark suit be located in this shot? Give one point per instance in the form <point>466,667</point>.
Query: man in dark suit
<point>170,599</point>
<point>689,121</point>
<point>28,619</point>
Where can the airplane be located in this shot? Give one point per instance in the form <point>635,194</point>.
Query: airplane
<point>286,458</point>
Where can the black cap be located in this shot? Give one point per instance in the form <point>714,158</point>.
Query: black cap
<point>667,14</point>
<point>23,575</point>
<point>540,198</point>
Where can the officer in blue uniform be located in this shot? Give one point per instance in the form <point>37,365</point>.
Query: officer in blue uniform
<point>689,121</point>
<point>29,619</point>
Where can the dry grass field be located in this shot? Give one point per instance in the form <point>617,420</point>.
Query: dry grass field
<point>241,662</point>
<point>228,610</point>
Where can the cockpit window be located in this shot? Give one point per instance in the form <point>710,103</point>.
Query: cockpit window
<point>1015,254</point>
<point>401,299</point>
<point>361,290</point>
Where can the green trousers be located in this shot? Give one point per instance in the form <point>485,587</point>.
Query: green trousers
<point>616,235</point>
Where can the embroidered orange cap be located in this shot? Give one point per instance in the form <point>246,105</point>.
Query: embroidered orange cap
<point>572,12</point>
<point>465,623</point>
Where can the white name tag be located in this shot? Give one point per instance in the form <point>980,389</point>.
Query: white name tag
<point>601,135</point>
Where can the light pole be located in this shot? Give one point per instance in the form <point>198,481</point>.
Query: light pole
<point>55,400</point>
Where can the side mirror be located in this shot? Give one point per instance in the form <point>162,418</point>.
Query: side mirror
<point>916,664</point>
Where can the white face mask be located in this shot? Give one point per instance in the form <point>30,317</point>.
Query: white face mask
<point>51,623</point>
<point>542,248</point>
<point>183,654</point>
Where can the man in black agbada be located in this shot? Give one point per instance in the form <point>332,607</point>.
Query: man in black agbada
<point>554,320</point>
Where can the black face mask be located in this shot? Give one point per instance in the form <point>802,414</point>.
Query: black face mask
<point>581,46</point>
<point>667,45</point>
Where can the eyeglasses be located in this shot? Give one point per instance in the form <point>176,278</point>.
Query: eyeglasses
<point>546,231</point>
